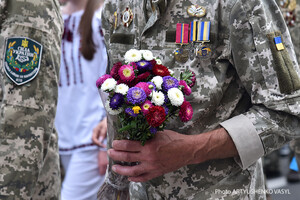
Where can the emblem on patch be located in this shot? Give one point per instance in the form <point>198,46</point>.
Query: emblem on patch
<point>204,52</point>
<point>196,11</point>
<point>22,59</point>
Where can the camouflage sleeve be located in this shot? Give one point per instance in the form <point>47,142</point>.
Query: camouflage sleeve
<point>266,65</point>
<point>27,136</point>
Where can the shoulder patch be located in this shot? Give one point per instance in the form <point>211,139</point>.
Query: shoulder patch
<point>22,59</point>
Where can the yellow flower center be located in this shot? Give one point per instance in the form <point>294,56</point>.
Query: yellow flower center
<point>126,72</point>
<point>136,109</point>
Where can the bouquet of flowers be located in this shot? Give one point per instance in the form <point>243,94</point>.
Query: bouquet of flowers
<point>144,94</point>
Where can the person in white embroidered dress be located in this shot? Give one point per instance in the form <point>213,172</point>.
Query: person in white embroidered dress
<point>79,109</point>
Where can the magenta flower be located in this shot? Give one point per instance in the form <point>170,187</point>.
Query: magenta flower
<point>145,107</point>
<point>145,87</point>
<point>193,79</point>
<point>101,80</point>
<point>115,69</point>
<point>126,73</point>
<point>186,111</point>
<point>186,90</point>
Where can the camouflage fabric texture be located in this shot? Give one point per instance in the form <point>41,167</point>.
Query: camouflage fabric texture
<point>29,162</point>
<point>291,12</point>
<point>244,81</point>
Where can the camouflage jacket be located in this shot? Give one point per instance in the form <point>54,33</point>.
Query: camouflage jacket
<point>245,83</point>
<point>29,64</point>
<point>291,14</point>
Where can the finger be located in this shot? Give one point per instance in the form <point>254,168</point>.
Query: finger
<point>124,156</point>
<point>127,145</point>
<point>132,171</point>
<point>95,138</point>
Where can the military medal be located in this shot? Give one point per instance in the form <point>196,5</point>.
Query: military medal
<point>193,38</point>
<point>182,37</point>
<point>203,36</point>
<point>116,20</point>
<point>196,11</point>
<point>127,17</point>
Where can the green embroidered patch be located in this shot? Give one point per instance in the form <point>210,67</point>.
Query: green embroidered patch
<point>22,59</point>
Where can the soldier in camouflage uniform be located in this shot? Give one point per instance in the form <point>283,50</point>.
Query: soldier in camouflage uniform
<point>246,98</point>
<point>29,62</point>
<point>291,13</point>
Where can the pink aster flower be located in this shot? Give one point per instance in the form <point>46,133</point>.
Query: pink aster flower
<point>193,79</point>
<point>145,107</point>
<point>126,73</point>
<point>101,80</point>
<point>145,87</point>
<point>186,111</point>
<point>186,90</point>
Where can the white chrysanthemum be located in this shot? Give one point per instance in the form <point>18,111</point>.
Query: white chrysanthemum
<point>157,80</point>
<point>171,72</point>
<point>109,84</point>
<point>158,61</point>
<point>110,110</point>
<point>122,89</point>
<point>147,55</point>
<point>158,98</point>
<point>133,55</point>
<point>176,96</point>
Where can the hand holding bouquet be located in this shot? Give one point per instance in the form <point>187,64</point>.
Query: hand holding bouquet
<point>144,95</point>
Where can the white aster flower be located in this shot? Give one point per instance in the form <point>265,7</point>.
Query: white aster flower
<point>158,98</point>
<point>109,84</point>
<point>133,55</point>
<point>158,61</point>
<point>157,80</point>
<point>176,96</point>
<point>147,55</point>
<point>110,110</point>
<point>122,89</point>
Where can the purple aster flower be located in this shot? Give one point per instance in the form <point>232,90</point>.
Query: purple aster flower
<point>154,87</point>
<point>153,130</point>
<point>144,66</point>
<point>136,95</point>
<point>116,101</point>
<point>169,82</point>
<point>130,112</point>
<point>166,98</point>
<point>166,109</point>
